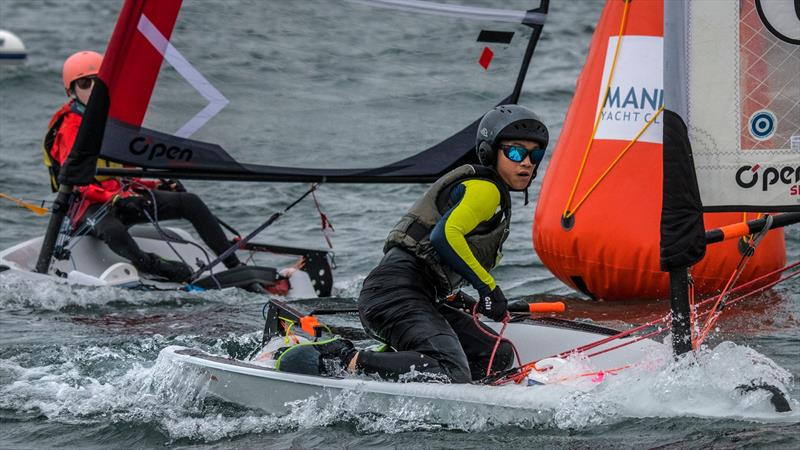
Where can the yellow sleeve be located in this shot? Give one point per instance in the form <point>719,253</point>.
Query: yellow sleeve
<point>478,204</point>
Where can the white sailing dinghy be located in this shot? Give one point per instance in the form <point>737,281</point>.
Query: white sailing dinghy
<point>709,134</point>
<point>257,384</point>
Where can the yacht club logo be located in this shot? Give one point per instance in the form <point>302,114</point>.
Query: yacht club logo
<point>636,90</point>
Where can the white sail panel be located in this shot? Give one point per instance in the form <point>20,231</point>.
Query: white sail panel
<point>742,97</point>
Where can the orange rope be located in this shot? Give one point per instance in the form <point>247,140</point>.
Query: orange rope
<point>692,313</point>
<point>614,163</point>
<point>623,21</point>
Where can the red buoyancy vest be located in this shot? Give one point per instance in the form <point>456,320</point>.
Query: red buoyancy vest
<point>62,131</point>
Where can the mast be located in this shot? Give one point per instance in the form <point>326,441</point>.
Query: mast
<point>683,241</point>
<point>79,168</point>
<point>679,305</point>
<point>526,60</point>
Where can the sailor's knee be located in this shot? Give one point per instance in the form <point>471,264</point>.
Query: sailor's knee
<point>504,358</point>
<point>110,228</point>
<point>446,349</point>
<point>459,374</point>
<point>191,201</point>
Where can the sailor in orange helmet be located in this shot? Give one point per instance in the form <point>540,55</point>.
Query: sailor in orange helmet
<point>451,236</point>
<point>130,197</point>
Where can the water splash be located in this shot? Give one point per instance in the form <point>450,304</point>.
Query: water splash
<point>698,385</point>
<point>127,383</point>
<point>19,293</point>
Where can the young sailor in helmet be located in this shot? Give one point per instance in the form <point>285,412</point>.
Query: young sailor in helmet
<point>453,234</point>
<point>130,197</point>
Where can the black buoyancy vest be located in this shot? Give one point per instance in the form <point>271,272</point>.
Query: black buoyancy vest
<point>413,230</point>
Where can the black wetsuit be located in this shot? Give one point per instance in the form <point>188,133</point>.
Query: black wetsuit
<point>398,306</point>
<point>166,205</point>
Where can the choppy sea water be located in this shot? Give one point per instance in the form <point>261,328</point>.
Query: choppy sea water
<point>80,367</point>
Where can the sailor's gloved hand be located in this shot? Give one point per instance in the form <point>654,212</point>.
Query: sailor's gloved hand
<point>493,304</point>
<point>171,186</point>
<point>131,208</point>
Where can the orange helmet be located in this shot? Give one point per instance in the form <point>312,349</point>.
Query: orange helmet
<point>79,65</point>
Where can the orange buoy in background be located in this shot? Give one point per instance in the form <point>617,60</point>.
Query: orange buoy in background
<point>597,219</point>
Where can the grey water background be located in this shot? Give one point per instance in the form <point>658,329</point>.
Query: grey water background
<point>78,367</point>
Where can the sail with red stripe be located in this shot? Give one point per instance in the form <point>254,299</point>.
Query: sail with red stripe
<point>125,83</point>
<point>179,109</point>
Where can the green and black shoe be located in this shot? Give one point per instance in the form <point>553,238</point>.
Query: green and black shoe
<point>329,357</point>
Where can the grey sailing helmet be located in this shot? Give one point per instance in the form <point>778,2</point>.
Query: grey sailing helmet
<point>508,122</point>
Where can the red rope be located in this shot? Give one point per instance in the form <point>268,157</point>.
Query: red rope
<point>716,310</point>
<point>634,340</point>
<point>327,226</point>
<point>524,369</point>
<point>498,338</point>
<point>753,281</point>
<point>761,289</point>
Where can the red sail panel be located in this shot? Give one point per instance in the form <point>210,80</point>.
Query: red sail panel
<point>131,64</point>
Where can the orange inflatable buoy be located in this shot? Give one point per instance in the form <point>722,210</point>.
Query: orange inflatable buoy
<point>597,220</point>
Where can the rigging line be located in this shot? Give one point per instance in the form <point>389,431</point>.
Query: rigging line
<point>751,282</point>
<point>240,243</point>
<point>498,338</point>
<point>614,163</point>
<point>88,225</point>
<point>632,341</point>
<point>769,285</point>
<point>716,310</point>
<point>567,213</point>
<point>523,369</point>
<point>154,221</point>
<point>748,239</point>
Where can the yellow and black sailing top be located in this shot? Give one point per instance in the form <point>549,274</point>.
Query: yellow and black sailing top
<point>458,228</point>
<point>475,202</point>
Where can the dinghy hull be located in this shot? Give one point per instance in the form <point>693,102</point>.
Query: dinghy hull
<point>258,385</point>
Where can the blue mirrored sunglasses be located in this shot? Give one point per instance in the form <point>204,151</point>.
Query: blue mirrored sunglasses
<point>518,153</point>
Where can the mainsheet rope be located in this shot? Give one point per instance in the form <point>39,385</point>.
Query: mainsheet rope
<point>498,338</point>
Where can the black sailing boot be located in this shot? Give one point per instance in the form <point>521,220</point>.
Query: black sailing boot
<point>171,270</point>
